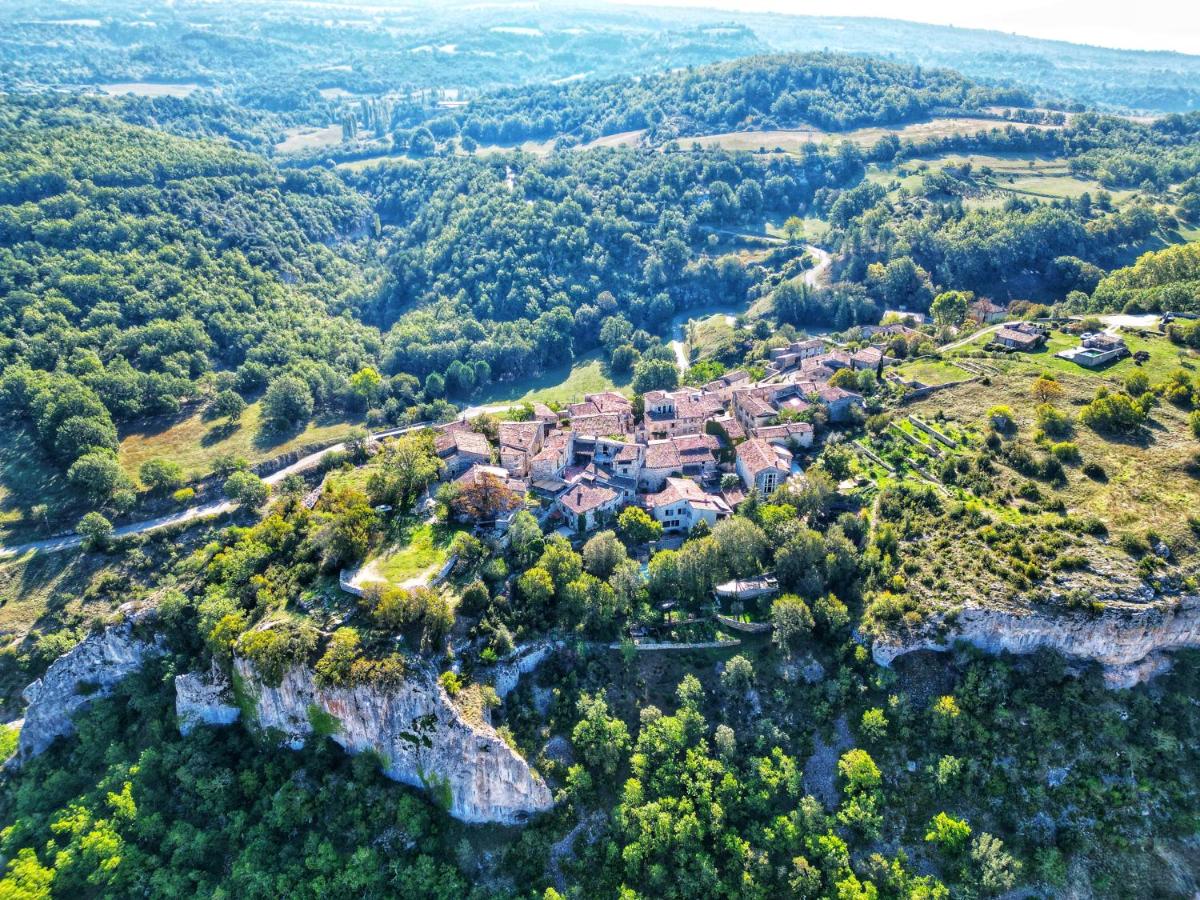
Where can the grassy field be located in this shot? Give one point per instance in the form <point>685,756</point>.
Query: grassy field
<point>424,549</point>
<point>1165,358</point>
<point>621,139</point>
<point>28,478</point>
<point>793,140</point>
<point>788,140</point>
<point>1146,485</point>
<point>814,229</point>
<point>194,442</point>
<point>149,89</point>
<point>307,137</point>
<point>565,384</point>
<point>1048,178</point>
<point>710,337</point>
<point>932,371</point>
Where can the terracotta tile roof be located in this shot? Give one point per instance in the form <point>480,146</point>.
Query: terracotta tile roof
<point>662,455</point>
<point>795,404</point>
<point>727,380</point>
<point>582,497</point>
<point>1020,338</point>
<point>733,428</point>
<point>606,402</point>
<point>697,407</point>
<point>831,394</point>
<point>462,441</point>
<point>520,435</point>
<point>834,358</point>
<point>752,404</point>
<point>696,443</point>
<point>542,411</point>
<point>684,490</point>
<point>599,424</point>
<point>781,432</point>
<point>688,405</point>
<point>549,452</point>
<point>872,356</point>
<point>757,455</point>
<point>627,453</point>
<point>557,438</point>
<point>477,471</point>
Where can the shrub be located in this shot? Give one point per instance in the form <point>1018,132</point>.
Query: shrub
<point>1094,471</point>
<point>161,475</point>
<point>792,619</point>
<point>1002,418</point>
<point>247,489</point>
<point>184,496</point>
<point>274,649</point>
<point>1137,383</point>
<point>1134,544</point>
<point>1113,413</point>
<point>335,666</point>
<point>874,724</point>
<point>949,833</point>
<point>1065,451</point>
<point>1052,421</point>
<point>95,530</point>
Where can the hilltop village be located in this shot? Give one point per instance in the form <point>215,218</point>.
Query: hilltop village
<point>685,456</point>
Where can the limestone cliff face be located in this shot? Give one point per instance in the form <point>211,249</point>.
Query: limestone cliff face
<point>204,700</point>
<point>421,737</point>
<point>87,671</point>
<point>1129,640</point>
<point>506,675</point>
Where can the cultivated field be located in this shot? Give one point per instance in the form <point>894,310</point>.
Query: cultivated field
<point>1165,358</point>
<point>792,140</point>
<point>306,138</point>
<point>149,89</point>
<point>1041,177</point>
<point>1145,485</point>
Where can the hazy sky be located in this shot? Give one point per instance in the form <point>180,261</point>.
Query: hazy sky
<point>1143,25</point>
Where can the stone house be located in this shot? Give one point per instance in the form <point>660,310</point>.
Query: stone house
<point>519,443</point>
<point>682,503</point>
<point>459,449</point>
<point>761,465</point>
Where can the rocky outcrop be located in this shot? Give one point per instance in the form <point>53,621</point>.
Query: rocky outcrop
<point>505,675</point>
<point>87,671</point>
<point>1130,641</point>
<point>204,700</point>
<point>419,734</point>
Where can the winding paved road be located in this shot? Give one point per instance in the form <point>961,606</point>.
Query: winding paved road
<point>200,511</point>
<point>679,323</point>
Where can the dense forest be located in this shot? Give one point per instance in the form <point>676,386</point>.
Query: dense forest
<point>534,256</point>
<point>828,91</point>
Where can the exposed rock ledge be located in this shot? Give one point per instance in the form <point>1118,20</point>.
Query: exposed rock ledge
<point>204,700</point>
<point>420,735</point>
<point>1130,641</point>
<point>87,671</point>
